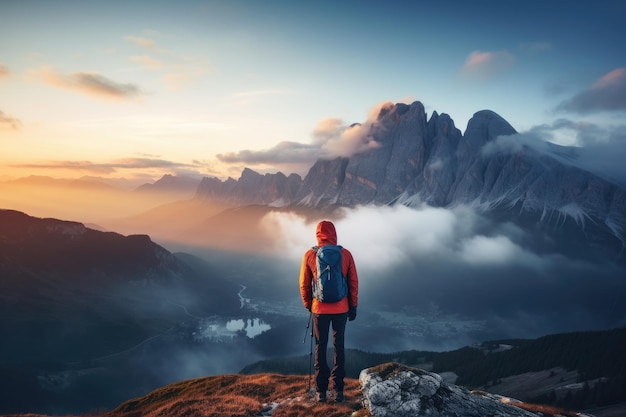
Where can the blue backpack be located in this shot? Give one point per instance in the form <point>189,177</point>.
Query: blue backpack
<point>329,284</point>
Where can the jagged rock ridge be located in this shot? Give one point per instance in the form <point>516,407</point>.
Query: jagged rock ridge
<point>428,161</point>
<point>251,188</point>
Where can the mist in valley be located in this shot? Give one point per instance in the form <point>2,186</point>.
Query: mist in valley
<point>432,279</point>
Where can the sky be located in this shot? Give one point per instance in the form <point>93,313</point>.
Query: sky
<point>139,89</point>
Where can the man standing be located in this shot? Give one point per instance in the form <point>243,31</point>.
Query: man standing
<point>327,314</point>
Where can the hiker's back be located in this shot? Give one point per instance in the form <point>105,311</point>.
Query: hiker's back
<point>329,283</point>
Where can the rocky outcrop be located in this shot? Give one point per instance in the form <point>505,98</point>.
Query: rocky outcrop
<point>396,390</point>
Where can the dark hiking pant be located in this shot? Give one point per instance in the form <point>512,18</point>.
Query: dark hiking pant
<point>323,374</point>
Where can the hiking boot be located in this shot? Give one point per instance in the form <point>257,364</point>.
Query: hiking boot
<point>321,397</point>
<point>339,397</point>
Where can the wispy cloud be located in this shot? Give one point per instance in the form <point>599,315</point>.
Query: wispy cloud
<point>148,62</point>
<point>245,98</point>
<point>486,64</point>
<point>142,42</point>
<point>608,93</point>
<point>8,122</point>
<point>92,84</point>
<point>283,152</point>
<point>109,167</point>
<point>181,75</point>
<point>4,71</point>
<point>331,138</point>
<point>178,71</point>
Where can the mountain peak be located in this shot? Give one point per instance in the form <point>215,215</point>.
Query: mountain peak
<point>390,112</point>
<point>249,173</point>
<point>430,161</point>
<point>488,124</point>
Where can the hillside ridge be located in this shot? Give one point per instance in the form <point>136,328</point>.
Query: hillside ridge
<point>278,395</point>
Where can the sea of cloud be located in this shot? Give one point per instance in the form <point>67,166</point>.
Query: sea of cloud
<point>443,264</point>
<point>384,237</point>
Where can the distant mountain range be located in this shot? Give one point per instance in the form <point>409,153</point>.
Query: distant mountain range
<point>78,304</point>
<point>428,161</point>
<point>420,160</point>
<point>416,161</point>
<point>182,186</point>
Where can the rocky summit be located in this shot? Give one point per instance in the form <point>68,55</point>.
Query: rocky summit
<point>389,390</point>
<point>397,390</point>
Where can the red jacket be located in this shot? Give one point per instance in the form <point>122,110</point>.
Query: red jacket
<point>326,235</point>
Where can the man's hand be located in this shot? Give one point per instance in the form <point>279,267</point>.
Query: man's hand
<point>352,314</point>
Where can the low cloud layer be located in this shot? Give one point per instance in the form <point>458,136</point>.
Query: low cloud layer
<point>591,147</point>
<point>608,93</point>
<point>466,269</point>
<point>397,234</point>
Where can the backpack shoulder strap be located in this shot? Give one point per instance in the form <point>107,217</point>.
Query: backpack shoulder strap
<point>315,248</point>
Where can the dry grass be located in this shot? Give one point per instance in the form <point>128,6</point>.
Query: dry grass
<point>260,395</point>
<point>546,410</point>
<point>241,396</point>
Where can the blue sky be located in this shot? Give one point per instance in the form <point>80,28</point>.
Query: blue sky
<point>138,89</point>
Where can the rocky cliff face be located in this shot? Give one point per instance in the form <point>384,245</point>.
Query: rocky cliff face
<point>409,145</point>
<point>428,161</point>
